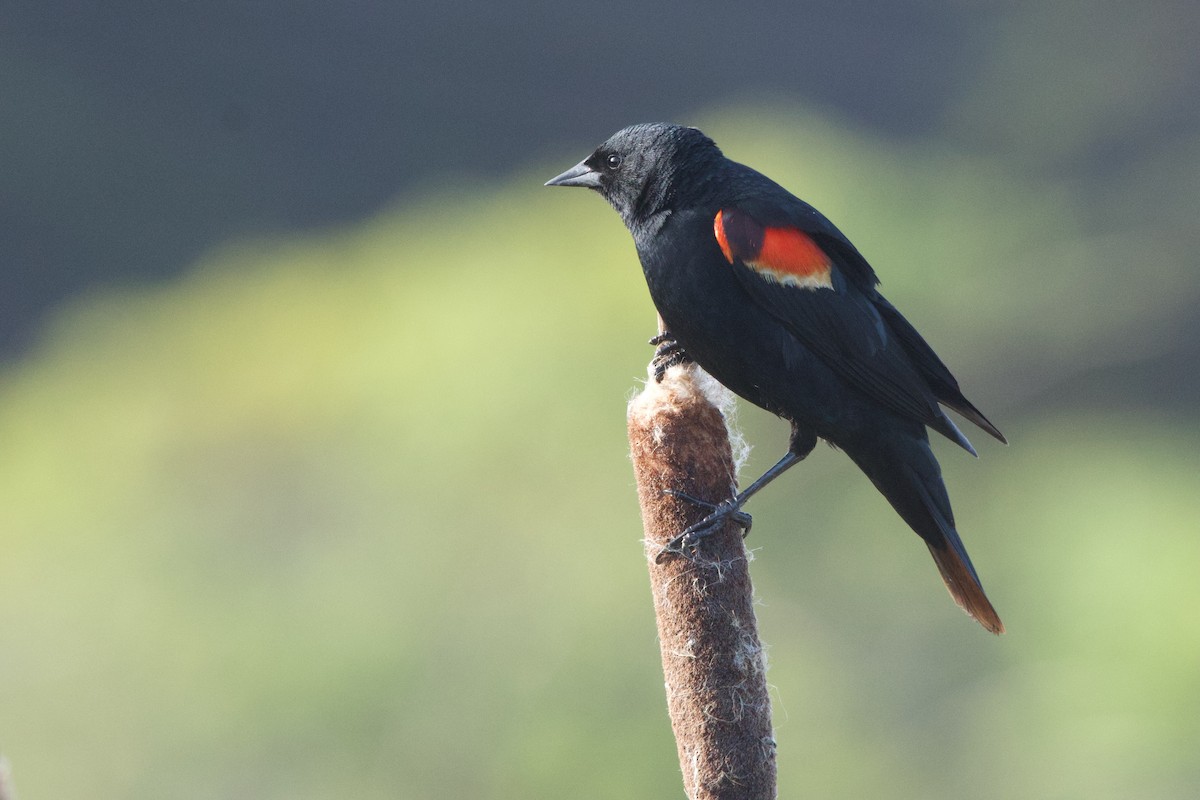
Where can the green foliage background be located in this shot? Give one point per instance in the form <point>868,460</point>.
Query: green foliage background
<point>352,516</point>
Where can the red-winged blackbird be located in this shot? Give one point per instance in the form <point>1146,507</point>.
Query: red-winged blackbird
<point>772,300</point>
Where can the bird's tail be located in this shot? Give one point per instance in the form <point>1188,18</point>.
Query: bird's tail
<point>905,471</point>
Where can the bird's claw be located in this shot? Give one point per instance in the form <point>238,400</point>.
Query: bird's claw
<point>687,542</point>
<point>668,354</point>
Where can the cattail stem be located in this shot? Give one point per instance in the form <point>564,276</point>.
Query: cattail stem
<point>6,788</point>
<point>712,659</point>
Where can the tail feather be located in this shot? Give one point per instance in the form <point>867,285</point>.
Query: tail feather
<point>965,588</point>
<point>904,470</point>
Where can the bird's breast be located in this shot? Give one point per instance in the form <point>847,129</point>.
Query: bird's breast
<point>724,331</point>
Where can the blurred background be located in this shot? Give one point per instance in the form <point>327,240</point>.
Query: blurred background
<point>313,474</point>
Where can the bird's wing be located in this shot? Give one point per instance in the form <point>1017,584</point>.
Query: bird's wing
<point>938,375</point>
<point>816,285</point>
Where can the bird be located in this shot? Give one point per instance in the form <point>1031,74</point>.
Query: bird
<point>772,300</point>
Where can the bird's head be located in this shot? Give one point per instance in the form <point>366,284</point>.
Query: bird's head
<point>639,169</point>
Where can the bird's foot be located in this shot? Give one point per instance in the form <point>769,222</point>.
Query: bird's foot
<point>687,542</point>
<point>668,354</point>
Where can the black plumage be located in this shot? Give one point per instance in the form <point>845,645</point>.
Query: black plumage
<point>772,300</point>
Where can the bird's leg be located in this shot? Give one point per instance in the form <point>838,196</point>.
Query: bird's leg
<point>740,518</point>
<point>668,354</point>
<point>731,509</point>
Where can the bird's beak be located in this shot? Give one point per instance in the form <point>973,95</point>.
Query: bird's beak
<point>579,175</point>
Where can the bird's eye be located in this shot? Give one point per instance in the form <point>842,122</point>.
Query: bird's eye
<point>613,161</point>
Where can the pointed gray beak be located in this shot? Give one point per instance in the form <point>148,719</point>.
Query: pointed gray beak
<point>579,175</point>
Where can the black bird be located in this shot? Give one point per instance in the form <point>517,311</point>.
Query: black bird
<point>768,297</point>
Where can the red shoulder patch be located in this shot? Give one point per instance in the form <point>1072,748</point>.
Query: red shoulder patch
<point>782,255</point>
